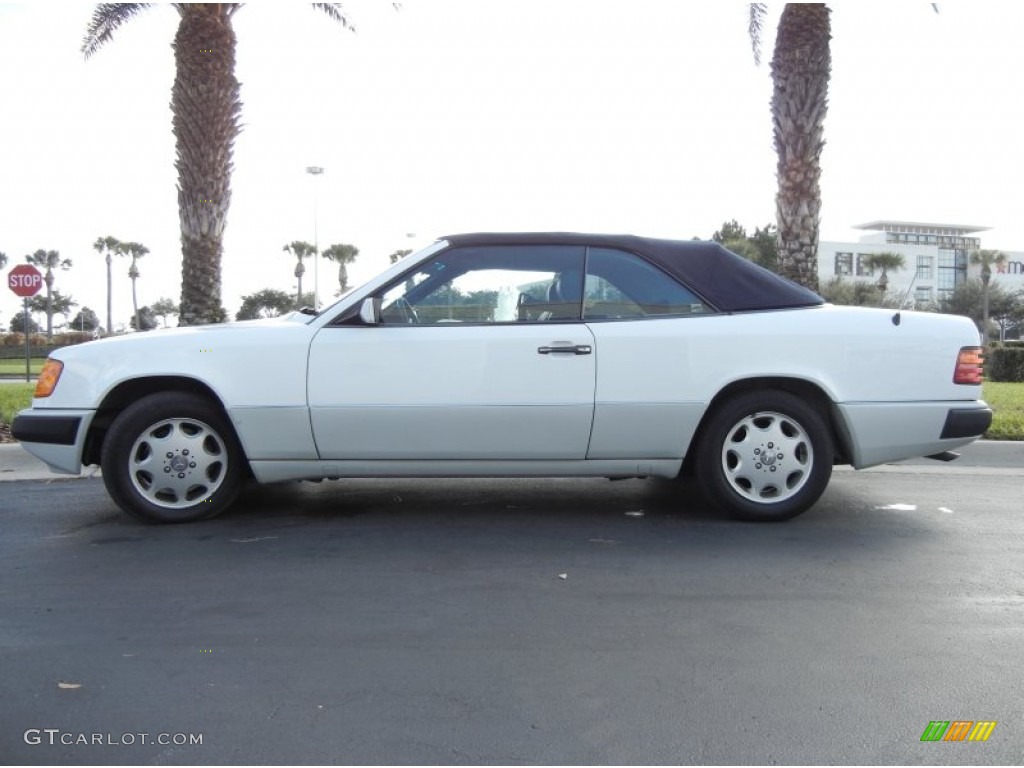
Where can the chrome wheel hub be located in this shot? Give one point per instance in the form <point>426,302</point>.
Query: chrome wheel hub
<point>767,457</point>
<point>176,463</point>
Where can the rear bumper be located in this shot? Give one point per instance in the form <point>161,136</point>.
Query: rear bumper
<point>966,422</point>
<point>881,432</point>
<point>55,437</point>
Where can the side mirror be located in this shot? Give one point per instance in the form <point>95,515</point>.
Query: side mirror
<point>369,312</point>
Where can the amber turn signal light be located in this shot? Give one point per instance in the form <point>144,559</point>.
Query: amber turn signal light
<point>48,377</point>
<point>969,366</point>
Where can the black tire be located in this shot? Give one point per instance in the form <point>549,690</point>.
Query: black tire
<point>764,456</point>
<point>172,457</point>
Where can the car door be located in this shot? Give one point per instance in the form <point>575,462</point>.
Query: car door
<point>649,397</point>
<point>480,353</point>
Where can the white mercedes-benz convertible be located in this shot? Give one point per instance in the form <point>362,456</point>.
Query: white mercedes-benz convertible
<point>520,355</point>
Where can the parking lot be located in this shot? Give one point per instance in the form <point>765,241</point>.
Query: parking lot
<point>526,621</point>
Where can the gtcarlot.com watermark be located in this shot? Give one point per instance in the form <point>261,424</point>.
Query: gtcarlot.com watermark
<point>55,736</point>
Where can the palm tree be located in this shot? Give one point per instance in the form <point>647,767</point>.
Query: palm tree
<point>108,246</point>
<point>884,261</point>
<point>986,259</point>
<point>205,104</point>
<point>801,67</point>
<point>343,254</point>
<point>54,304</point>
<point>48,260</point>
<point>300,250</point>
<point>136,251</point>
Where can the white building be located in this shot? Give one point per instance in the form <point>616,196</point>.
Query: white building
<point>937,259</point>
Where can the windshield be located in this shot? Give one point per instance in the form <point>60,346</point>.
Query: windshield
<point>381,277</point>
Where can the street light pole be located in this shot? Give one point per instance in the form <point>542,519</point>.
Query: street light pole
<point>315,170</point>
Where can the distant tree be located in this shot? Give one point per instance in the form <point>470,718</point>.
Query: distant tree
<point>761,247</point>
<point>136,251</point>
<point>3,260</point>
<point>884,261</point>
<point>964,300</point>
<point>733,236</point>
<point>19,320</point>
<point>107,247</point>
<point>85,320</point>
<point>986,259</point>
<point>731,231</point>
<point>163,307</point>
<point>858,293</point>
<point>399,254</point>
<point>1006,310</point>
<point>342,254</point>
<point>300,250</point>
<point>49,261</point>
<point>143,319</point>
<point>481,298</point>
<point>969,300</point>
<point>268,302</point>
<point>53,304</point>
<point>766,241</point>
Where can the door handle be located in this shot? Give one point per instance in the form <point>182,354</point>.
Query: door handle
<point>574,349</point>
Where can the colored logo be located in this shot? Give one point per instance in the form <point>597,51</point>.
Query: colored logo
<point>958,730</point>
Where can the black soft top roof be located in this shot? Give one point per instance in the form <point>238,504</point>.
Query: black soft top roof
<point>728,282</point>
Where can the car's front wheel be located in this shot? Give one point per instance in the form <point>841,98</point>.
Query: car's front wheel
<point>172,457</point>
<point>765,456</point>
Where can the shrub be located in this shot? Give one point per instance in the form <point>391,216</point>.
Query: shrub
<point>1005,364</point>
<point>71,337</point>
<point>14,339</point>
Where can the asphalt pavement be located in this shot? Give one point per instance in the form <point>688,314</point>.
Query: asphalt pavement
<point>504,622</point>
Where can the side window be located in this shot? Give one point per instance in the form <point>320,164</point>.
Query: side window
<point>490,284</point>
<point>620,286</point>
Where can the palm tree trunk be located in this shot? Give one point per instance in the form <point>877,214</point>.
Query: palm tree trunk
<point>985,278</point>
<point>135,307</point>
<point>800,73</point>
<point>110,293</point>
<point>49,303</point>
<point>206,105</point>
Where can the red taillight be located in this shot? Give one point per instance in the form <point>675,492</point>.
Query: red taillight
<point>969,366</point>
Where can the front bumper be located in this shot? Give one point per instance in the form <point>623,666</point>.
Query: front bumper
<point>56,437</point>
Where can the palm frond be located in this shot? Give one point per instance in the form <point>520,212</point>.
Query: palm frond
<point>106,18</point>
<point>336,12</point>
<point>758,11</point>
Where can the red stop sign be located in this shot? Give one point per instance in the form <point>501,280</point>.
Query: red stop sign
<point>25,280</point>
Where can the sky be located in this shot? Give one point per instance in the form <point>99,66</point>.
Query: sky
<point>648,117</point>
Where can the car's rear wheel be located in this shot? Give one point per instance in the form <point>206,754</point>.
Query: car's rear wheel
<point>765,456</point>
<point>172,457</point>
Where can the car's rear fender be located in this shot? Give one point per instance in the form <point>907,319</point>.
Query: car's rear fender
<point>808,391</point>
